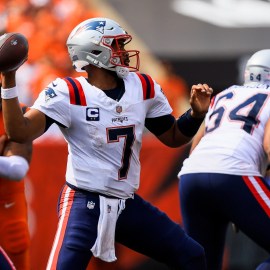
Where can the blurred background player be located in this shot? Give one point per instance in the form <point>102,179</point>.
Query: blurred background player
<point>14,165</point>
<point>39,21</point>
<point>102,117</point>
<point>175,89</point>
<point>222,180</point>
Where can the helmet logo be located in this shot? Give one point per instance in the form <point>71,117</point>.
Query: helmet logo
<point>94,25</point>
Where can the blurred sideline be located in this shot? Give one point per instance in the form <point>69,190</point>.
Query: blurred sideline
<point>149,64</point>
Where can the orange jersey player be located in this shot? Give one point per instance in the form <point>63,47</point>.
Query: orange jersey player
<point>14,164</point>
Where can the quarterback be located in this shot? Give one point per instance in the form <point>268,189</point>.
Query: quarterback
<point>102,118</point>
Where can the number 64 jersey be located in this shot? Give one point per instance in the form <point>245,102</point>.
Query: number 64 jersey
<point>104,135</point>
<point>234,130</point>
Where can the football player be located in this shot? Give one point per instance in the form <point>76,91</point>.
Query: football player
<point>102,117</point>
<point>14,165</point>
<point>222,180</point>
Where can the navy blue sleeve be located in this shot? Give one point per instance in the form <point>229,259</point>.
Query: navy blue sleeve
<point>159,125</point>
<point>50,121</point>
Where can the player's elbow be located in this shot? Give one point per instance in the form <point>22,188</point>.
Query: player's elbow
<point>17,137</point>
<point>174,141</point>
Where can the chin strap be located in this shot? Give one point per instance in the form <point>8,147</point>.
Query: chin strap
<point>122,72</point>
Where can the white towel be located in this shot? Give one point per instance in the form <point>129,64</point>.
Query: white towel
<point>104,247</point>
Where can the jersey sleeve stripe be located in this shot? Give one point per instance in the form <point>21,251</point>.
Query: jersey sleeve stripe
<point>147,85</point>
<point>71,91</point>
<point>81,92</point>
<point>150,86</point>
<point>143,85</point>
<point>212,101</point>
<point>76,93</point>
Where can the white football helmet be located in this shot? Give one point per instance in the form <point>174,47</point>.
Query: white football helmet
<point>258,68</point>
<point>99,42</point>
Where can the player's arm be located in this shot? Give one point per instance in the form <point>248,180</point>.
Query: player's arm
<point>266,146</point>
<point>185,127</point>
<point>266,140</point>
<point>3,140</point>
<point>19,128</point>
<point>15,159</point>
<point>197,137</point>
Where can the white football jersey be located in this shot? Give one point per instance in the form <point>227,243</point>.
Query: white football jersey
<point>104,135</point>
<point>233,140</point>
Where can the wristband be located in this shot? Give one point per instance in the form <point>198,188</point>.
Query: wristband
<point>189,125</point>
<point>8,93</point>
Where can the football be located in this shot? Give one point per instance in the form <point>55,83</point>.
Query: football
<point>13,51</point>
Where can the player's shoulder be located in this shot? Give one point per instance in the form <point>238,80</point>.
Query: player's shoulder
<point>145,82</point>
<point>225,91</point>
<point>139,76</point>
<point>63,86</point>
<point>58,84</point>
<point>56,90</point>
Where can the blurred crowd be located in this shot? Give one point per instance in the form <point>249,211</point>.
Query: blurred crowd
<point>46,24</point>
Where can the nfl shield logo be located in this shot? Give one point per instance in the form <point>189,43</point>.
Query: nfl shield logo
<point>90,205</point>
<point>119,109</point>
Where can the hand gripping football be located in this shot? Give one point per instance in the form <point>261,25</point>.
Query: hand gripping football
<point>13,51</point>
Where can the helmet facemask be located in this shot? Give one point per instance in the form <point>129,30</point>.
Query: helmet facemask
<point>103,47</point>
<point>121,60</point>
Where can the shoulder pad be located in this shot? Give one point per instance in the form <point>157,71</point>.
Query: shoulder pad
<point>76,92</point>
<point>147,85</point>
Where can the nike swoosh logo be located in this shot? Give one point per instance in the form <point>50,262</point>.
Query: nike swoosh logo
<point>8,205</point>
<point>54,84</point>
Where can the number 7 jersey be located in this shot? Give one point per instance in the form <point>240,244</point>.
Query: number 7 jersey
<point>234,131</point>
<point>104,135</point>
